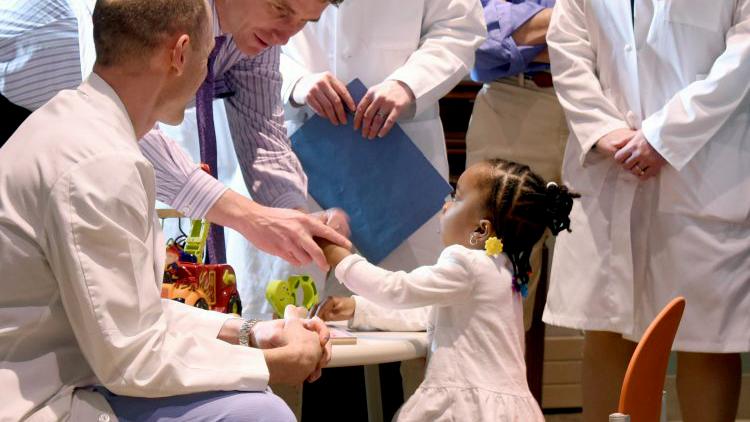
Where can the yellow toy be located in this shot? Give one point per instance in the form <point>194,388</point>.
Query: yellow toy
<point>280,293</point>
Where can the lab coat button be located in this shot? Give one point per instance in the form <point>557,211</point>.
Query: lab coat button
<point>628,47</point>
<point>104,417</point>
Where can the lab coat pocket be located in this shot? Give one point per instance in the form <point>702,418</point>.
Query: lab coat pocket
<point>698,13</point>
<point>715,184</point>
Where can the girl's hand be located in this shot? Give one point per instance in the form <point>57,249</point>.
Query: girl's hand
<point>335,308</point>
<point>333,252</point>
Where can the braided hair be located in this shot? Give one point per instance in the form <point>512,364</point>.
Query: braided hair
<point>521,207</point>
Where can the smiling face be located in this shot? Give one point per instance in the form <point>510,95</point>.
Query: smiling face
<point>465,213</point>
<point>259,24</point>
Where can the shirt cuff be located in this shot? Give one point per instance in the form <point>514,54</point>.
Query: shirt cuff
<point>198,195</point>
<point>295,99</point>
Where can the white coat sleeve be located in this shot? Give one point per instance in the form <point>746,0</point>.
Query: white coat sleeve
<point>291,71</point>
<point>590,113</point>
<point>694,114</point>
<point>451,33</point>
<point>447,282</point>
<point>370,316</point>
<point>99,232</point>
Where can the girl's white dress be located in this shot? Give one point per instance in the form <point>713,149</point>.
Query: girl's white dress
<point>476,369</point>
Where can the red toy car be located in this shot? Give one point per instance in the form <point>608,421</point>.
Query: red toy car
<point>206,286</point>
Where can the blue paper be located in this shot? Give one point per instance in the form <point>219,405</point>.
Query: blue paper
<point>386,185</point>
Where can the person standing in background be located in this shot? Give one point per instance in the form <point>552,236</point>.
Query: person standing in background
<point>409,54</point>
<point>658,101</point>
<point>516,114</point>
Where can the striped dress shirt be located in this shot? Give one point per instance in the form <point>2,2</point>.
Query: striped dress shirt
<point>45,47</point>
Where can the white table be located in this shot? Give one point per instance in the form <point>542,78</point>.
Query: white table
<point>374,348</point>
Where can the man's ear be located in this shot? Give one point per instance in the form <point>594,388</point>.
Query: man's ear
<point>178,58</point>
<point>484,230</point>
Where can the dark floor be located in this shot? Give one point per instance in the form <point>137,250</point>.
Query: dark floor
<point>347,386</point>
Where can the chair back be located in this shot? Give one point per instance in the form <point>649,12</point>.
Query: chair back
<point>641,394</point>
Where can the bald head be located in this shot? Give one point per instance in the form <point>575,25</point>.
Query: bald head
<point>128,30</point>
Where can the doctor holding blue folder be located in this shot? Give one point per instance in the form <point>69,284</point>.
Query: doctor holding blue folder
<point>409,54</point>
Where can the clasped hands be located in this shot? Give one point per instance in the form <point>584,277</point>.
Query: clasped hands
<point>296,348</point>
<point>376,113</point>
<point>632,151</point>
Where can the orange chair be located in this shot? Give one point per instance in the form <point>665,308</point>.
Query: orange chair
<point>641,394</point>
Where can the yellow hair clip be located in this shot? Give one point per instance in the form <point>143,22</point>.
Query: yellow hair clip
<point>493,246</point>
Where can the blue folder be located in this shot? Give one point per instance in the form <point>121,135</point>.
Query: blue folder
<point>386,185</point>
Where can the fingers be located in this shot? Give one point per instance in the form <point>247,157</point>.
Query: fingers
<point>290,257</point>
<point>333,105</point>
<point>316,106</point>
<point>389,122</point>
<point>300,252</point>
<point>338,220</point>
<point>292,312</point>
<point>316,324</point>
<point>321,230</point>
<point>364,103</point>
<point>315,375</point>
<point>371,118</point>
<point>622,155</point>
<point>344,94</point>
<point>313,251</point>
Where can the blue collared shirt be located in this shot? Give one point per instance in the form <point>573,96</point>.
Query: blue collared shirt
<point>500,56</point>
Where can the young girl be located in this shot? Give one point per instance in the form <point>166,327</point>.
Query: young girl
<point>476,367</point>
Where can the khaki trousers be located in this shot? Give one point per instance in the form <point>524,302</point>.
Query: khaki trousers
<point>513,119</point>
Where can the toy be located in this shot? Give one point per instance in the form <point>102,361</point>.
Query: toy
<point>188,280</point>
<point>281,293</point>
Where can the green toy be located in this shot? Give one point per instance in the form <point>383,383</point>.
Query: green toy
<point>280,293</point>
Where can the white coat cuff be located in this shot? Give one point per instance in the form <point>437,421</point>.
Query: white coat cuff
<point>652,131</point>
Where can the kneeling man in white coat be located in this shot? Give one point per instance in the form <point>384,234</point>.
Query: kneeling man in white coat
<point>84,334</point>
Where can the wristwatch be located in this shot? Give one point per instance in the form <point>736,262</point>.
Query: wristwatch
<point>246,331</point>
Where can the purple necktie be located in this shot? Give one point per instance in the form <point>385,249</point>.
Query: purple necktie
<point>215,253</point>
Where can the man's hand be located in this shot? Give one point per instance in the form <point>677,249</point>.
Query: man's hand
<point>637,156</point>
<point>268,334</point>
<point>610,143</point>
<point>282,232</point>
<point>336,219</point>
<point>326,95</point>
<point>335,308</point>
<point>381,106</point>
<point>303,354</point>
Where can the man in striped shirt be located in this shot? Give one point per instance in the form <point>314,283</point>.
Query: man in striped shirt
<point>46,47</point>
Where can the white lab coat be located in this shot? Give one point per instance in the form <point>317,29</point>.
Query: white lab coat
<point>428,44</point>
<point>82,259</point>
<point>681,75</point>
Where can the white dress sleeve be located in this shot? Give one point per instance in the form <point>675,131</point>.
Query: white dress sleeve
<point>369,316</point>
<point>448,282</point>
